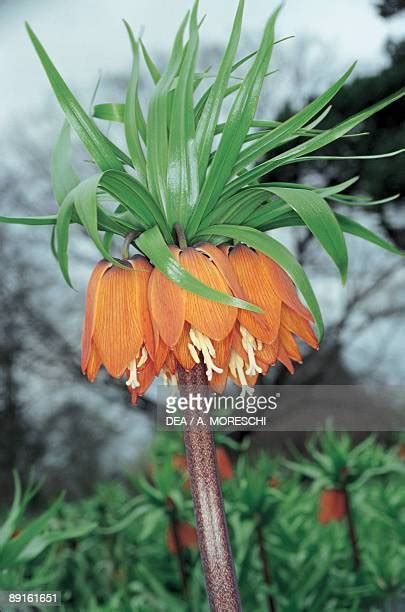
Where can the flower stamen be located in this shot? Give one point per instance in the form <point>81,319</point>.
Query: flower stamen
<point>200,342</point>
<point>169,379</point>
<point>236,367</point>
<point>133,381</point>
<point>250,344</point>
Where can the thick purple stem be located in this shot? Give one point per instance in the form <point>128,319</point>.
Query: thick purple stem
<point>213,538</point>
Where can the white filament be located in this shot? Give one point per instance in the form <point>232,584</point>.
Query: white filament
<point>250,344</point>
<point>200,342</point>
<point>133,381</point>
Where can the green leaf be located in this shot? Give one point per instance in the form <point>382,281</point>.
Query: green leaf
<point>135,198</point>
<point>39,543</point>
<point>85,201</point>
<point>62,235</point>
<point>348,225</point>
<point>14,548</point>
<point>151,243</point>
<point>313,144</point>
<point>132,112</point>
<point>347,200</point>
<point>8,527</point>
<point>269,141</point>
<point>157,123</point>
<point>320,220</point>
<point>93,139</point>
<point>281,255</point>
<point>237,125</point>
<point>45,220</point>
<point>338,157</point>
<point>153,70</point>
<point>182,177</point>
<point>113,111</point>
<point>63,177</point>
<point>209,117</point>
<point>237,208</point>
<point>327,192</point>
<point>356,229</point>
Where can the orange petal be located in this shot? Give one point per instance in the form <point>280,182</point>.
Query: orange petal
<point>269,353</point>
<point>118,326</point>
<point>237,344</point>
<point>93,364</point>
<point>298,326</point>
<point>283,286</point>
<point>258,288</point>
<point>143,270</point>
<point>167,302</point>
<point>181,350</point>
<point>170,363</point>
<point>265,366</point>
<point>211,318</point>
<point>284,359</point>
<point>160,355</point>
<point>145,377</point>
<point>90,309</point>
<point>222,263</point>
<point>290,345</point>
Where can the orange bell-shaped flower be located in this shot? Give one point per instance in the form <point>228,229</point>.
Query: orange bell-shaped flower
<point>117,330</point>
<point>140,323</point>
<point>259,340</point>
<point>190,326</point>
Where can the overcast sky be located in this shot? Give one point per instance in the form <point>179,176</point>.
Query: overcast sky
<point>83,36</point>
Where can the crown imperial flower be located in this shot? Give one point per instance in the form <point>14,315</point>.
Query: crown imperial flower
<point>211,284</point>
<point>139,323</point>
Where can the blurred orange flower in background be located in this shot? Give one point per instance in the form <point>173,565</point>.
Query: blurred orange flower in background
<point>225,469</point>
<point>332,506</point>
<point>187,537</point>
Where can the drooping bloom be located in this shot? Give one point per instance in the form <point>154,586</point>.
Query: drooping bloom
<point>187,537</point>
<point>140,323</point>
<point>332,506</point>
<point>117,330</point>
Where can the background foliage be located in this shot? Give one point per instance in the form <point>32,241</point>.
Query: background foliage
<point>118,559</point>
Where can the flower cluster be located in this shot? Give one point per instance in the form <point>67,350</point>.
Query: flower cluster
<point>140,324</point>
